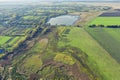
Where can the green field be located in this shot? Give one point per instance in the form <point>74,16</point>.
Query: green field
<point>109,39</point>
<point>99,59</point>
<point>9,43</point>
<point>106,21</point>
<point>30,17</point>
<point>13,41</point>
<point>4,39</point>
<point>31,64</point>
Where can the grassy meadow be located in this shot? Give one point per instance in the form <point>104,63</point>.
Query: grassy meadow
<point>99,59</point>
<point>106,21</point>
<point>109,39</point>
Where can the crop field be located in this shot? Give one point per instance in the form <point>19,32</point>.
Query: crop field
<point>8,42</point>
<point>14,40</point>
<point>109,39</point>
<point>111,14</point>
<point>106,21</point>
<point>30,17</point>
<point>32,49</point>
<point>4,39</point>
<point>12,31</point>
<point>99,59</point>
<point>11,37</point>
<point>31,64</point>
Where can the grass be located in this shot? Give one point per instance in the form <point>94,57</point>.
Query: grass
<point>109,39</point>
<point>39,46</point>
<point>114,33</point>
<point>13,41</point>
<point>4,39</point>
<point>99,59</point>
<point>32,63</point>
<point>64,58</point>
<point>30,17</point>
<point>106,21</point>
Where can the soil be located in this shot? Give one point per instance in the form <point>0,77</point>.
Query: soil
<point>85,17</point>
<point>72,70</point>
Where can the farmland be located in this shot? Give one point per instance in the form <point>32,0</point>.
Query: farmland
<point>110,18</point>
<point>3,39</point>
<point>96,53</point>
<point>106,21</point>
<point>30,17</point>
<point>109,14</point>
<point>104,29</point>
<point>32,49</point>
<point>109,39</point>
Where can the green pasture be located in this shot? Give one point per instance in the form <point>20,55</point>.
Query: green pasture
<point>106,21</point>
<point>99,59</point>
<point>14,40</point>
<point>4,39</point>
<point>109,39</point>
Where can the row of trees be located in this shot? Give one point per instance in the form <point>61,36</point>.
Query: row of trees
<point>103,26</point>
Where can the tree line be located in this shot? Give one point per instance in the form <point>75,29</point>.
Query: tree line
<point>104,26</point>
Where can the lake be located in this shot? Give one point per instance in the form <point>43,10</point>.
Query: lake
<point>63,20</point>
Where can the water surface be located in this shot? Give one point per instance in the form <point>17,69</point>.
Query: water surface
<point>63,20</point>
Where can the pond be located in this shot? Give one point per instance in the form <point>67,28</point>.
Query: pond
<point>1,51</point>
<point>63,20</point>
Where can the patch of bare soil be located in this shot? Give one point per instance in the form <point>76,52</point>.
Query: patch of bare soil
<point>73,71</point>
<point>44,40</point>
<point>30,44</point>
<point>85,17</point>
<point>78,73</point>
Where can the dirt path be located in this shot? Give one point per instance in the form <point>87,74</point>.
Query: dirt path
<point>44,40</point>
<point>85,17</point>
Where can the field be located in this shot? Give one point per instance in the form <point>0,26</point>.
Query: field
<point>64,58</point>
<point>106,21</point>
<point>99,59</point>
<point>30,17</point>
<point>31,49</point>
<point>107,18</point>
<point>9,43</point>
<point>31,64</point>
<point>4,39</point>
<point>14,40</point>
<point>109,14</point>
<point>108,39</point>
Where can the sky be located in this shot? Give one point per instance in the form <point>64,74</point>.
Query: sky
<point>8,0</point>
<point>54,0</point>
